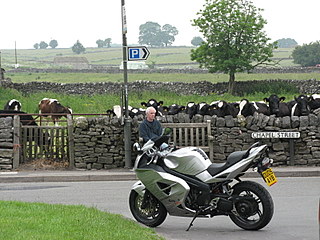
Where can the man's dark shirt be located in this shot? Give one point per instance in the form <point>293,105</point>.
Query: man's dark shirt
<point>150,130</point>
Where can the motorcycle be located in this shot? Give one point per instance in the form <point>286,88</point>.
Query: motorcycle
<point>184,182</point>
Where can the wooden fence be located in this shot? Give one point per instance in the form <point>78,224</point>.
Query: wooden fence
<point>42,142</point>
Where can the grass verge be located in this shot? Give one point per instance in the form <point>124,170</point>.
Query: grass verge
<point>39,221</point>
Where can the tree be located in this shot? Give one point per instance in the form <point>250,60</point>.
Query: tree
<point>43,45</point>
<point>53,43</point>
<point>307,55</point>
<point>196,41</point>
<point>233,38</point>
<point>168,32</point>
<point>152,34</point>
<point>36,46</point>
<point>107,42</point>
<point>100,43</point>
<point>78,48</point>
<point>286,43</point>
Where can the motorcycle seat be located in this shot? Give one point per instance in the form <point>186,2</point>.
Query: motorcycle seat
<point>233,158</point>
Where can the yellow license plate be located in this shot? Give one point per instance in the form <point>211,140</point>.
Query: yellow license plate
<point>269,177</point>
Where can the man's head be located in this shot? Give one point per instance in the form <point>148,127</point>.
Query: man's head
<point>150,114</point>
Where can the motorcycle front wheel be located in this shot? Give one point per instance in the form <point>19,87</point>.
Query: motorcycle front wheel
<point>147,209</point>
<point>254,207</point>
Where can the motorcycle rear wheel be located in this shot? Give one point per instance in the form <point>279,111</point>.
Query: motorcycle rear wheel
<point>152,215</point>
<point>255,209</point>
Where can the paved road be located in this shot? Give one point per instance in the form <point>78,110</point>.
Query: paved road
<point>296,208</point>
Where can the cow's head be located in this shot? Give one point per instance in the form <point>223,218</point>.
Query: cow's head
<point>302,104</point>
<point>175,109</point>
<point>274,102</point>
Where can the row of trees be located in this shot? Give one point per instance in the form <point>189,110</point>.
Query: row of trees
<point>154,35</point>
<point>43,45</point>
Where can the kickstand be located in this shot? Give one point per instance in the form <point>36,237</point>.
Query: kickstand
<point>194,218</point>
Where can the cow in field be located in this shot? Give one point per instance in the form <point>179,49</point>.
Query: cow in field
<point>247,108</point>
<point>191,109</point>
<point>174,109</point>
<point>53,108</point>
<point>314,101</point>
<point>223,108</point>
<point>277,106</point>
<point>13,104</point>
<point>33,134</point>
<point>299,106</point>
<point>154,103</point>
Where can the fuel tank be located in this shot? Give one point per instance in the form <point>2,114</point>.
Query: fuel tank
<point>189,160</point>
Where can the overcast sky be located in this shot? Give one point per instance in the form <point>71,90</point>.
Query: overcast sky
<point>30,21</point>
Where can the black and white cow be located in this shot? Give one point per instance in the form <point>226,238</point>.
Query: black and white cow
<point>174,109</point>
<point>13,104</point>
<point>203,108</point>
<point>314,101</point>
<point>153,103</point>
<point>191,109</point>
<point>224,108</point>
<point>299,106</point>
<point>247,108</point>
<point>133,111</point>
<point>28,120</point>
<point>277,106</point>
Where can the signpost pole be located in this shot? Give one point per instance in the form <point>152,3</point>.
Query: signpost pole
<point>127,121</point>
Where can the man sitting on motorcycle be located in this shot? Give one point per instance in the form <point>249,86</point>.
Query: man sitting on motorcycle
<point>150,128</point>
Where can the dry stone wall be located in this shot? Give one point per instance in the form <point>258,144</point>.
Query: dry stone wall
<point>99,141</point>
<point>6,143</point>
<point>202,88</point>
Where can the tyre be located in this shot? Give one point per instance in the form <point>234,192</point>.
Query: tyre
<point>147,209</point>
<point>254,208</point>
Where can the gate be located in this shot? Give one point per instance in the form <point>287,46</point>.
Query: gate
<point>33,142</point>
<point>44,142</point>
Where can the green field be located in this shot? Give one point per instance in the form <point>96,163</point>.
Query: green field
<point>43,58</point>
<point>171,57</point>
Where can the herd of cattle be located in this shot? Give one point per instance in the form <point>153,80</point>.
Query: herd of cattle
<point>47,107</point>
<point>273,105</point>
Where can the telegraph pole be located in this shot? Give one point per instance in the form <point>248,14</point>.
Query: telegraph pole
<point>127,120</point>
<point>1,75</point>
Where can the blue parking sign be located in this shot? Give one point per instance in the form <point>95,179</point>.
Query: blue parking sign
<point>137,53</point>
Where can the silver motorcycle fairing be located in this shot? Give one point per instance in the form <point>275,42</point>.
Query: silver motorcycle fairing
<point>188,160</point>
<point>170,190</point>
<point>234,170</point>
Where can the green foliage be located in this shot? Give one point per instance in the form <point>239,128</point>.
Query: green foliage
<point>78,48</point>
<point>100,43</point>
<point>307,55</point>
<point>286,43</point>
<point>196,41</point>
<point>29,221</point>
<point>152,34</point>
<point>43,45</point>
<point>36,46</point>
<point>53,43</point>
<point>104,43</point>
<point>233,38</point>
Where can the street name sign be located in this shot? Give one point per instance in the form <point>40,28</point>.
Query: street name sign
<point>275,135</point>
<point>138,53</point>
